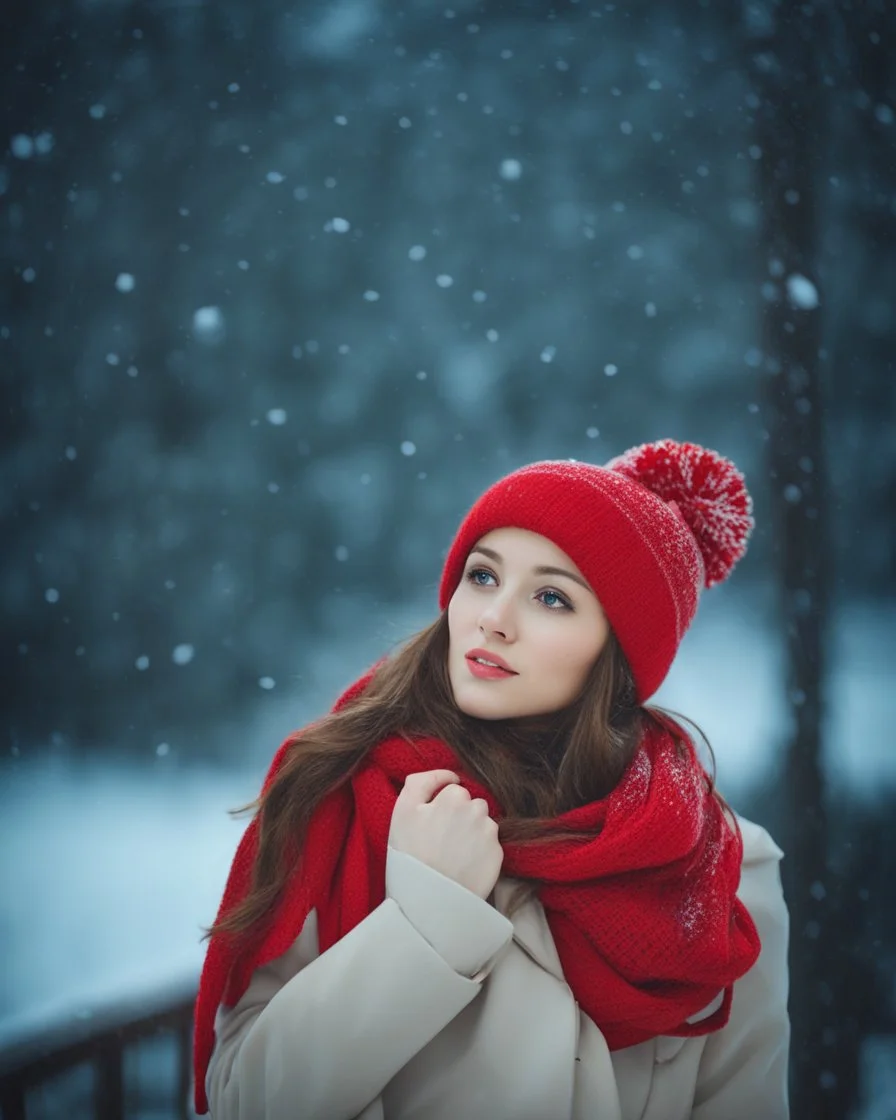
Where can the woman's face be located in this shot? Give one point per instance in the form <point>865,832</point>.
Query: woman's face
<point>523,604</point>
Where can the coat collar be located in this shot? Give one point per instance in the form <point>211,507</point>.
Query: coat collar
<point>530,928</point>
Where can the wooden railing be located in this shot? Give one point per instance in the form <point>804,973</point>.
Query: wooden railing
<point>101,1039</point>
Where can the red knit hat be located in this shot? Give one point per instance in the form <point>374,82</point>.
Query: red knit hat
<point>648,531</point>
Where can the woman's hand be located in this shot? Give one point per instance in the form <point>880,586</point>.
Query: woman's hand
<point>437,821</point>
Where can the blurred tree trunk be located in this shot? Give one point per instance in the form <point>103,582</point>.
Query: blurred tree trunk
<point>783,50</point>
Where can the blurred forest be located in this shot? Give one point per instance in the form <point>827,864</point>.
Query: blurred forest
<point>285,285</point>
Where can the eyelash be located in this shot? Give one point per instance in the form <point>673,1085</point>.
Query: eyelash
<point>470,577</point>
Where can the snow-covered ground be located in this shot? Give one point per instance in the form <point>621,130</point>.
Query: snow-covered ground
<point>111,870</point>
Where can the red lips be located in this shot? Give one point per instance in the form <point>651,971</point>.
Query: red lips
<point>487,656</point>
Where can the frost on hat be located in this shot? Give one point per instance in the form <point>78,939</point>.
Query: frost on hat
<point>648,531</point>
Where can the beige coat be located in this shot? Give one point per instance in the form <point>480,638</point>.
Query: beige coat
<point>437,1007</point>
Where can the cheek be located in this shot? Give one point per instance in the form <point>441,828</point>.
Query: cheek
<point>569,656</point>
<point>457,619</point>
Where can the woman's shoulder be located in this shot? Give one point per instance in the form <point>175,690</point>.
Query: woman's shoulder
<point>760,887</point>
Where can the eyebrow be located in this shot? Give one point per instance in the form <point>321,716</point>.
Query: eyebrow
<point>541,570</point>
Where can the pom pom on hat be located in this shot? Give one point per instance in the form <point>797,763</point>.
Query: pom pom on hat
<point>648,531</point>
<point>708,490</point>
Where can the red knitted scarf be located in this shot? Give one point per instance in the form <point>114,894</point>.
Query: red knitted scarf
<point>643,913</point>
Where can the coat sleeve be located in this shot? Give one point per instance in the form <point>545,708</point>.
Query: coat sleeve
<point>317,1036</point>
<point>744,1067</point>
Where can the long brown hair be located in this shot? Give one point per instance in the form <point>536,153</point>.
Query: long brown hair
<point>536,768</point>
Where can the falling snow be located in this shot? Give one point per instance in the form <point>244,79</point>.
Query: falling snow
<point>22,146</point>
<point>208,324</point>
<point>801,292</point>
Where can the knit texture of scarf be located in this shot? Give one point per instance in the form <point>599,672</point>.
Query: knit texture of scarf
<point>643,912</point>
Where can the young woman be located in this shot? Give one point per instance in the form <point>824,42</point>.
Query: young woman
<point>491,884</point>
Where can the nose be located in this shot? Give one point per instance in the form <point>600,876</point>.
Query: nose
<point>497,619</point>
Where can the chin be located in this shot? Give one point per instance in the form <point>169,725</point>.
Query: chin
<point>474,706</point>
<point>478,707</point>
<point>479,713</point>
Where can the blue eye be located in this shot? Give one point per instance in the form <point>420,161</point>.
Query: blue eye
<point>561,602</point>
<point>479,577</point>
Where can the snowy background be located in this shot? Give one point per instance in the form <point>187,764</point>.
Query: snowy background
<point>284,287</point>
